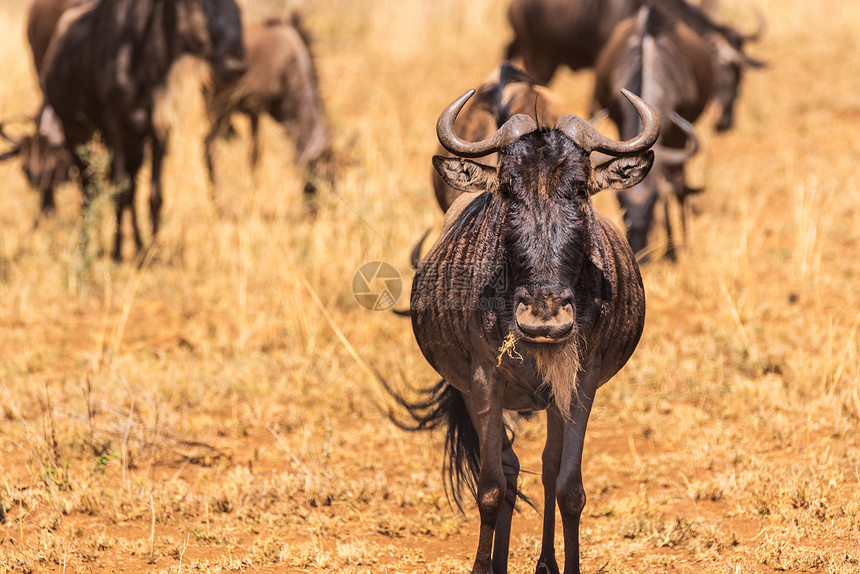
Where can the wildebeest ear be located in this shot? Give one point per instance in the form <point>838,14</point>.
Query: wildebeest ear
<point>621,173</point>
<point>466,175</point>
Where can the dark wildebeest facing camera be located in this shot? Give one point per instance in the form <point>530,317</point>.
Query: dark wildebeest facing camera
<point>529,300</point>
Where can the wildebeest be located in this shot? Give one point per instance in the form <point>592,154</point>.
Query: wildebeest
<point>44,159</point>
<point>281,81</point>
<point>529,300</point>
<point>506,92</point>
<point>108,63</point>
<point>659,58</point>
<point>551,33</point>
<point>726,44</point>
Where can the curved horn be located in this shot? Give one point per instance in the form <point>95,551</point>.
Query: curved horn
<point>11,153</point>
<point>735,37</point>
<point>7,137</point>
<point>589,139</point>
<point>731,55</point>
<point>518,125</point>
<point>674,156</point>
<point>761,27</point>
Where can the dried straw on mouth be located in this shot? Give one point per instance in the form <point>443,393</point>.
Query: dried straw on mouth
<point>508,348</point>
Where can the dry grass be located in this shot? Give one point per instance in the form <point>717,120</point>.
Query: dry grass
<point>209,393</point>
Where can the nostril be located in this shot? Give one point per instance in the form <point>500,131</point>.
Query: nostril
<point>523,311</point>
<point>566,312</point>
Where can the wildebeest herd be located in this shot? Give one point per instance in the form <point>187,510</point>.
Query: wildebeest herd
<point>530,299</point>
<point>103,67</point>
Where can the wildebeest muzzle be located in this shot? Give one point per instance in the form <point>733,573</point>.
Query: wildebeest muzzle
<point>231,67</point>
<point>543,313</point>
<point>638,204</point>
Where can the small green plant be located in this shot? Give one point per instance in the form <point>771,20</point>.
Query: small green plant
<point>103,459</point>
<point>99,194</point>
<point>57,476</point>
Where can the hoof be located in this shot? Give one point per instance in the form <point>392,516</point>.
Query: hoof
<point>544,567</point>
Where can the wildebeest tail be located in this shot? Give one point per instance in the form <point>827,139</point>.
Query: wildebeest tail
<point>438,406</point>
<point>443,406</point>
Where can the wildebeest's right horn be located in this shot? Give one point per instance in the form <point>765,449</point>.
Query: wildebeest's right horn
<point>735,36</point>
<point>518,125</point>
<point>588,138</point>
<point>675,156</point>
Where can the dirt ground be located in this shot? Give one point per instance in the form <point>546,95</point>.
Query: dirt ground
<point>215,409</point>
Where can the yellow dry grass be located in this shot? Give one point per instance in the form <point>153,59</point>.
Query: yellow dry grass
<point>205,413</point>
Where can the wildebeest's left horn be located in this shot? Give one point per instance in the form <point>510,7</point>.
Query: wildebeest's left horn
<point>588,138</point>
<point>518,125</point>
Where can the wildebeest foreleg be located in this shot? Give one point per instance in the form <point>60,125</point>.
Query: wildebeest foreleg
<point>511,468</point>
<point>125,168</point>
<point>682,202</point>
<point>485,409</point>
<point>47,205</point>
<point>570,491</point>
<point>551,461</point>
<point>255,140</point>
<point>159,149</point>
<point>671,254</point>
<point>216,126</point>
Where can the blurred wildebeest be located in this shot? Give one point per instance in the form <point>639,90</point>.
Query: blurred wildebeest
<point>550,33</point>
<point>107,64</point>
<point>281,81</point>
<point>659,58</point>
<point>506,92</point>
<point>44,158</point>
<point>726,44</point>
<point>529,300</point>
